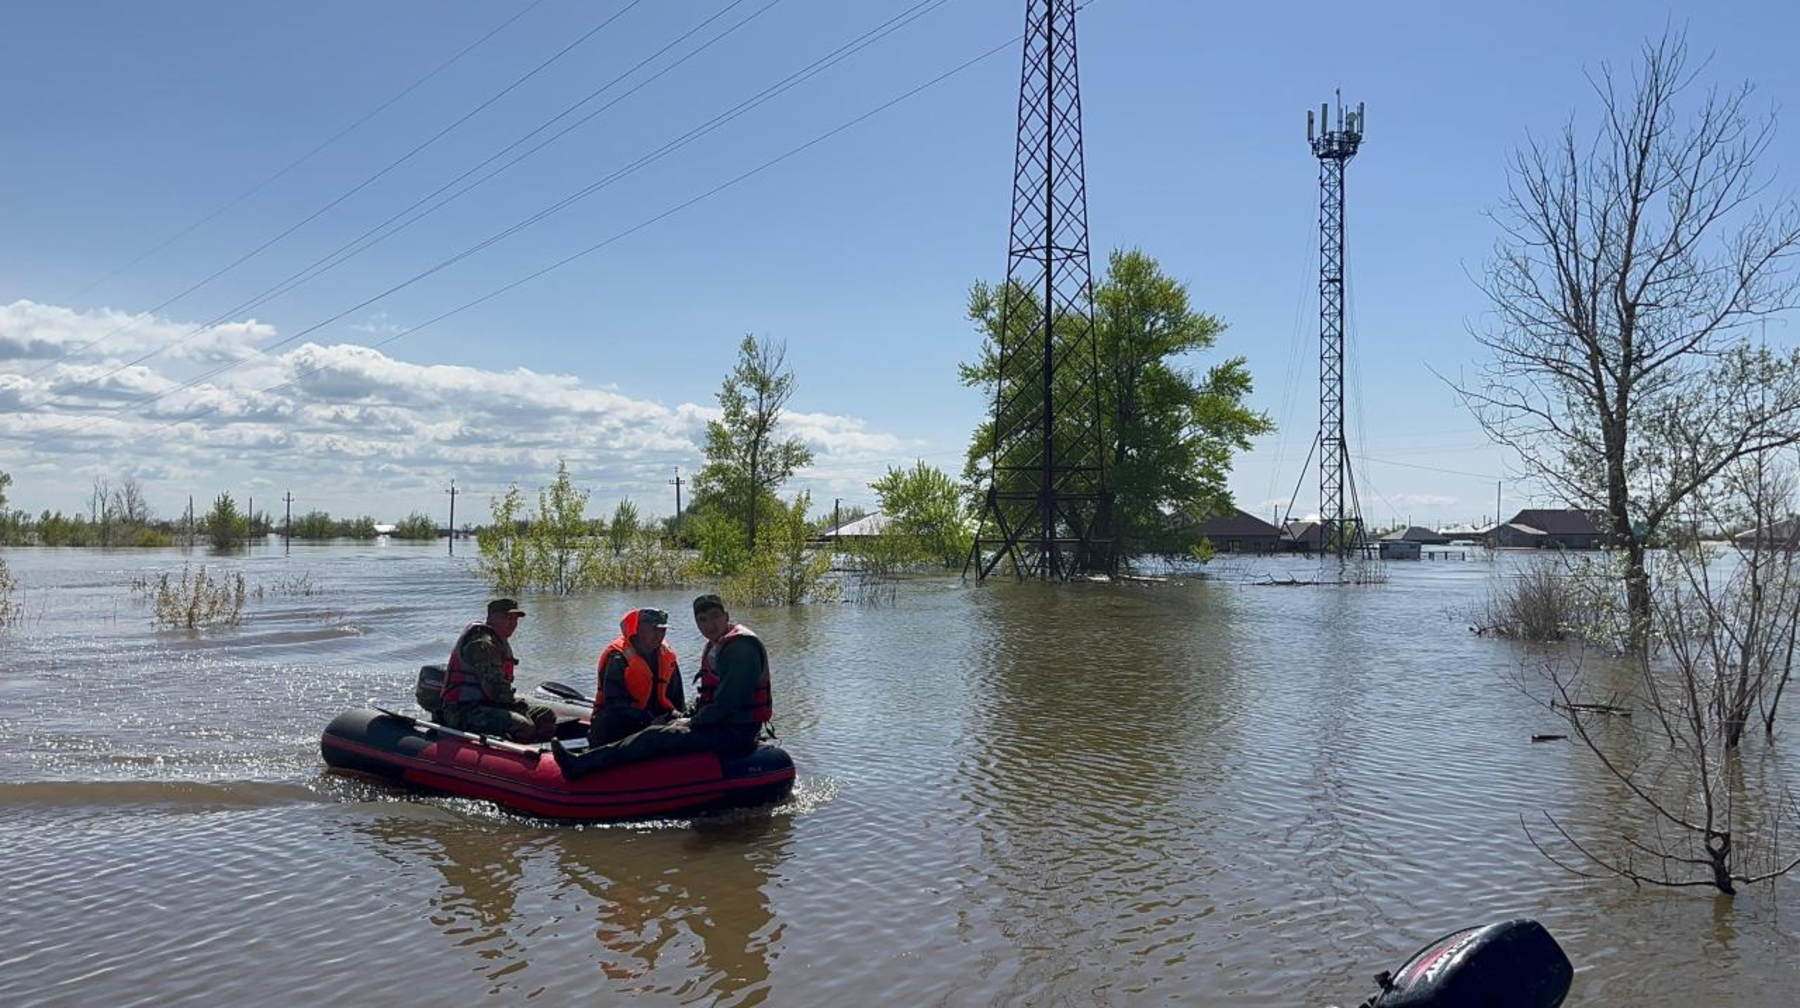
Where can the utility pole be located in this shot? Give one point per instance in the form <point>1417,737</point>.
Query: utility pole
<point>1496,502</point>
<point>287,521</point>
<point>250,525</point>
<point>837,520</point>
<point>190,520</point>
<point>452,536</point>
<point>676,483</point>
<point>1342,527</point>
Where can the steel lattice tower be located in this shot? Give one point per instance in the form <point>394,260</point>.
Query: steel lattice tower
<point>1047,506</point>
<point>1341,528</point>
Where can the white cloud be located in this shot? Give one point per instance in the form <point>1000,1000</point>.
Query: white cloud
<point>346,427</point>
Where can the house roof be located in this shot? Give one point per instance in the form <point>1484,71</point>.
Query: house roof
<point>1414,533</point>
<point>1785,530</point>
<point>1241,523</point>
<point>1301,529</point>
<point>862,528</point>
<point>1557,521</point>
<point>1516,527</point>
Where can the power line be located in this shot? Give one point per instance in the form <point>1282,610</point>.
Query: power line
<point>343,253</point>
<point>1452,472</point>
<point>641,225</point>
<point>353,190</point>
<point>741,108</point>
<point>302,159</point>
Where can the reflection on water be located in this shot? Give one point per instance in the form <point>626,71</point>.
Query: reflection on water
<point>677,909</point>
<point>1008,794</point>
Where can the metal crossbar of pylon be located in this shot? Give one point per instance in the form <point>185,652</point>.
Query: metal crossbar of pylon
<point>1048,512</point>
<point>1341,527</point>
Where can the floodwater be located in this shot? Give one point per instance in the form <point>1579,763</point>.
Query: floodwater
<point>1206,793</point>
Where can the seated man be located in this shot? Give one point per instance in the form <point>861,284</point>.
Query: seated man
<point>640,682</point>
<point>478,683</point>
<point>733,707</point>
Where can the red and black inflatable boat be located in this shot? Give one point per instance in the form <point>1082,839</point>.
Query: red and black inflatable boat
<point>525,779</point>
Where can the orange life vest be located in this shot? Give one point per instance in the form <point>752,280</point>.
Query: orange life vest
<point>649,688</point>
<point>459,686</point>
<point>762,703</point>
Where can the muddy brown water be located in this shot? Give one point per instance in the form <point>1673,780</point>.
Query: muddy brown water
<point>1211,793</point>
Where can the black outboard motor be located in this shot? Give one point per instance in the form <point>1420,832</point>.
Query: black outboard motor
<point>429,690</point>
<point>1515,964</point>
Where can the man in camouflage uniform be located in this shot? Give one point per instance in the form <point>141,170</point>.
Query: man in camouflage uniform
<point>478,692</point>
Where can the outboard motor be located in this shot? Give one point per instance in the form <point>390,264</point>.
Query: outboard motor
<point>429,690</point>
<point>1515,964</point>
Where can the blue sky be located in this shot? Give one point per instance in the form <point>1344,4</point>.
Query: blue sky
<point>127,123</point>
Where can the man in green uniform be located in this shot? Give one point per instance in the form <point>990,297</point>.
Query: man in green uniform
<point>478,684</point>
<point>733,706</point>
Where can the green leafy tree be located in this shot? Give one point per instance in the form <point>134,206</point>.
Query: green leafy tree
<point>926,510</point>
<point>505,550</point>
<point>624,526</point>
<point>784,568</point>
<point>314,525</point>
<point>565,554</point>
<point>747,460</point>
<point>416,526</point>
<point>225,526</point>
<point>720,541</point>
<point>362,528</point>
<point>1170,432</point>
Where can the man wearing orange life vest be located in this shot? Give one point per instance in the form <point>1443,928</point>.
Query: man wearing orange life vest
<point>640,682</point>
<point>733,707</point>
<point>478,681</point>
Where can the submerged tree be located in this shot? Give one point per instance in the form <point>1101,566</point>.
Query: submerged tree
<point>1726,622</point>
<point>926,516</point>
<point>225,526</point>
<point>747,460</point>
<point>565,555</point>
<point>505,555</point>
<point>1631,266</point>
<point>1170,432</point>
<point>624,527</point>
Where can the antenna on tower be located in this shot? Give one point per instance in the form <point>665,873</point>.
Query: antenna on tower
<point>1341,524</point>
<point>1048,510</point>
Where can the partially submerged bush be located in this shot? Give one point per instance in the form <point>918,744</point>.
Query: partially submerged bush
<point>196,600</point>
<point>7,584</point>
<point>293,584</point>
<point>785,569</point>
<point>1557,600</point>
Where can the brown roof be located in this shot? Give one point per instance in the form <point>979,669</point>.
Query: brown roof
<point>1242,523</point>
<point>1557,521</point>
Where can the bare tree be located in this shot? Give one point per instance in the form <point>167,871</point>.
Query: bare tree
<point>129,504</point>
<point>1726,623</point>
<point>100,509</point>
<point>1629,269</point>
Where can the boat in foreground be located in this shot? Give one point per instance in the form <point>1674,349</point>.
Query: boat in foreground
<point>525,778</point>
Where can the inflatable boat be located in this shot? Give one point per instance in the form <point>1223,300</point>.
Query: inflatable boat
<point>393,746</point>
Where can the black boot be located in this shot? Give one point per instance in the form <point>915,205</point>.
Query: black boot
<point>580,764</point>
<point>569,762</point>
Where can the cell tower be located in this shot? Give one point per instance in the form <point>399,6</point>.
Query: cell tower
<point>1341,528</point>
<point>1047,510</point>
